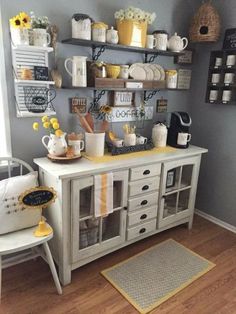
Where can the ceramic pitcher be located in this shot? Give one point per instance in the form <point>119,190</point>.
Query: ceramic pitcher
<point>79,71</point>
<point>56,145</point>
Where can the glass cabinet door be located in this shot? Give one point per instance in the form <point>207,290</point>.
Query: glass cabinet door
<point>91,235</point>
<point>178,190</point>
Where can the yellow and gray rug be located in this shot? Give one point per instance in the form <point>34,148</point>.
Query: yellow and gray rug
<point>151,277</point>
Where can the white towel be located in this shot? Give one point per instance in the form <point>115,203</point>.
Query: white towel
<point>103,194</point>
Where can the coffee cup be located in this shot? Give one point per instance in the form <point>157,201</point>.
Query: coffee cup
<point>183,138</point>
<point>215,79</point>
<point>229,78</point>
<point>218,62</point>
<point>226,96</point>
<point>78,146</point>
<point>141,140</point>
<point>118,142</point>
<point>130,139</point>
<point>213,95</point>
<point>231,60</point>
<point>151,41</point>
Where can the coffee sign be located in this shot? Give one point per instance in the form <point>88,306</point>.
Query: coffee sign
<point>38,197</point>
<point>41,73</point>
<point>230,39</point>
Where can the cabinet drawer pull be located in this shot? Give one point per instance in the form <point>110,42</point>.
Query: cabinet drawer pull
<point>144,202</point>
<point>146,172</point>
<point>144,216</point>
<point>145,187</point>
<point>142,230</point>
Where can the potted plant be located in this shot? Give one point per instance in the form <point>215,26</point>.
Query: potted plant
<point>39,25</point>
<point>19,26</point>
<point>132,26</point>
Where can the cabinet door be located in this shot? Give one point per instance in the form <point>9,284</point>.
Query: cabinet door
<point>92,235</point>
<point>178,190</point>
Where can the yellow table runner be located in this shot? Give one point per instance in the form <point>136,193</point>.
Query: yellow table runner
<point>108,157</point>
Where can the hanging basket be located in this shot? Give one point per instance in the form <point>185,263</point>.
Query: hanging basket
<point>206,24</point>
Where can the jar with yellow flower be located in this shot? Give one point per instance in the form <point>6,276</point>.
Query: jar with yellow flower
<point>56,142</point>
<point>19,26</point>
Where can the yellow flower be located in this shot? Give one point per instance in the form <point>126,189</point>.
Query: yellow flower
<point>45,119</point>
<point>46,125</point>
<point>55,125</point>
<point>25,19</point>
<point>53,120</point>
<point>16,21</point>
<point>36,126</point>
<point>58,133</point>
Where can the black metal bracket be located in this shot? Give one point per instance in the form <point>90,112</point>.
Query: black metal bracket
<point>95,102</point>
<point>151,59</point>
<point>96,55</point>
<point>150,95</point>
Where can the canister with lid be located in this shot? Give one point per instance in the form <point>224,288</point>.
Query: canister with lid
<point>159,135</point>
<point>99,31</point>
<point>171,78</point>
<point>81,26</point>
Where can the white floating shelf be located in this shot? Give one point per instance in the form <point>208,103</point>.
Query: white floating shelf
<point>32,48</point>
<point>27,114</point>
<point>34,82</point>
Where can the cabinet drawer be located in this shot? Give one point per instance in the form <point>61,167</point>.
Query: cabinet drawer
<point>142,229</point>
<point>143,201</point>
<point>142,215</point>
<point>143,186</point>
<point>145,172</point>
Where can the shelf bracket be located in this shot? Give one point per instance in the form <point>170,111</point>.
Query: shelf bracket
<point>96,97</point>
<point>151,59</point>
<point>96,55</point>
<point>150,95</point>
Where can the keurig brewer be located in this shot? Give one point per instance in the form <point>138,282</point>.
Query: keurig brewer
<point>178,132</point>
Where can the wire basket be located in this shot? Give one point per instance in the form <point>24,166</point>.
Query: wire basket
<point>38,99</point>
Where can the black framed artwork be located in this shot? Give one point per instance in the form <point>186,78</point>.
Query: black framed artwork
<point>170,178</point>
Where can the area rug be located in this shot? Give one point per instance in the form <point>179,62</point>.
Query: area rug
<point>151,277</point>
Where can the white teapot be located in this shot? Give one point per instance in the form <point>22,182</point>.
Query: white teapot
<point>176,43</point>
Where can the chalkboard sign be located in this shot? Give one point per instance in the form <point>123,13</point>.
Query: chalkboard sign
<point>38,197</point>
<point>41,73</point>
<point>39,100</point>
<point>230,39</point>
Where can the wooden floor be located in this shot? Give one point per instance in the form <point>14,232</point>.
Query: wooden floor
<point>28,287</point>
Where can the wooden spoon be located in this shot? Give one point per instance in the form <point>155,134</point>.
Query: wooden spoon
<point>89,119</point>
<point>83,122</point>
<point>104,126</point>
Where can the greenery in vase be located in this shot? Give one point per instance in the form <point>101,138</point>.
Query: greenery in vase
<point>132,13</point>
<point>39,21</point>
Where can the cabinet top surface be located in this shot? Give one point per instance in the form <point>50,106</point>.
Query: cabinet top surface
<point>85,167</point>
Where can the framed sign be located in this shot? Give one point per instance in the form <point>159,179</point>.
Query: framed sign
<point>170,179</point>
<point>230,39</point>
<point>38,197</point>
<point>184,79</point>
<point>162,105</point>
<point>78,103</point>
<point>41,73</point>
<point>185,58</point>
<point>125,99</point>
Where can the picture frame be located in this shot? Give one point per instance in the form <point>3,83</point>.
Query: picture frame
<point>41,73</point>
<point>170,178</point>
<point>185,58</point>
<point>123,99</point>
<point>229,43</point>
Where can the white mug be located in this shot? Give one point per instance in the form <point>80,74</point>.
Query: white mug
<point>41,37</point>
<point>218,62</point>
<point>229,78</point>
<point>231,60</point>
<point>215,78</point>
<point>124,71</point>
<point>162,40</point>
<point>183,138</point>
<point>77,145</point>
<point>151,42</point>
<point>130,139</point>
<point>118,142</point>
<point>226,96</point>
<point>213,95</point>
<point>141,140</point>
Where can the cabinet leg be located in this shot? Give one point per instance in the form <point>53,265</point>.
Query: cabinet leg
<point>190,223</point>
<point>65,275</point>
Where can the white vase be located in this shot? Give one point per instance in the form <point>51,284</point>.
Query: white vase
<point>56,145</point>
<point>20,36</point>
<point>40,37</point>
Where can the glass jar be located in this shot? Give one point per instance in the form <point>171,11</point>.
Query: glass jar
<point>99,31</point>
<point>171,78</point>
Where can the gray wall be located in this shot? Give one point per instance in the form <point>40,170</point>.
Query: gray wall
<point>172,15</point>
<point>215,128</point>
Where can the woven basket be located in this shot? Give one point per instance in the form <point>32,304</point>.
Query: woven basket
<point>132,32</point>
<point>205,26</point>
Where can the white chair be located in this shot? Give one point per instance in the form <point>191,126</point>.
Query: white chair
<point>24,239</point>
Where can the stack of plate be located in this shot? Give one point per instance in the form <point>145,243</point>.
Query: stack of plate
<point>147,71</point>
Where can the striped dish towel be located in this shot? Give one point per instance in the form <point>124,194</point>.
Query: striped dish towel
<point>103,194</point>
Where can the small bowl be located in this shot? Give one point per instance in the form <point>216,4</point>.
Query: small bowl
<point>113,70</point>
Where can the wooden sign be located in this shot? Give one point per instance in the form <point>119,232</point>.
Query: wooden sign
<point>162,105</point>
<point>184,79</point>
<point>79,104</point>
<point>185,58</point>
<point>121,114</point>
<point>38,197</point>
<point>123,99</point>
<point>41,73</point>
<point>230,39</point>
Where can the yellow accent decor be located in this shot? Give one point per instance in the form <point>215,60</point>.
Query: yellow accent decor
<point>43,229</point>
<point>132,32</point>
<point>112,70</point>
<point>109,158</point>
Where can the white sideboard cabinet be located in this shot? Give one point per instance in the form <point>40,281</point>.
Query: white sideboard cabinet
<point>151,194</point>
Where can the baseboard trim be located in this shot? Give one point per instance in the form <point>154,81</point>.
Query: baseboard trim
<point>216,220</point>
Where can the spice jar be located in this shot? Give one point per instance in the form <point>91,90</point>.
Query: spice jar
<point>171,78</point>
<point>99,31</point>
<point>99,69</point>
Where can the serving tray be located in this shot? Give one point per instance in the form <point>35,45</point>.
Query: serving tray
<point>129,149</point>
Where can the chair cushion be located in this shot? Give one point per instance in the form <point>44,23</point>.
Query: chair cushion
<point>14,216</point>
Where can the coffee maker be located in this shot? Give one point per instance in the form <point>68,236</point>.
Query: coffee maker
<point>178,132</point>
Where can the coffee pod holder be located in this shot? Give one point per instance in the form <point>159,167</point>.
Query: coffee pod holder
<point>129,149</point>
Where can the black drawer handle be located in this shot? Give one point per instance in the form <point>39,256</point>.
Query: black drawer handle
<point>142,230</point>
<point>144,202</point>
<point>146,172</point>
<point>145,187</point>
<point>144,216</point>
